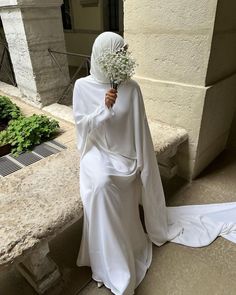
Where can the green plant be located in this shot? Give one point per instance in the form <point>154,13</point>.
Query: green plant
<point>26,132</point>
<point>8,109</point>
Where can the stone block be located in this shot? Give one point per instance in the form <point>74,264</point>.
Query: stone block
<point>222,62</point>
<point>175,104</point>
<point>28,35</point>
<point>218,111</point>
<point>217,118</point>
<point>177,45</point>
<point>171,57</point>
<point>204,158</point>
<point>178,105</point>
<point>152,15</point>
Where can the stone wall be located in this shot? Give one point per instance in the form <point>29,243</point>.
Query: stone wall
<point>220,99</point>
<point>173,43</point>
<point>31,27</point>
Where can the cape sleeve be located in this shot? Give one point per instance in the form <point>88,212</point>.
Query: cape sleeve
<point>86,122</point>
<point>153,199</point>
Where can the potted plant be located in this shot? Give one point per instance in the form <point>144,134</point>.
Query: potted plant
<point>24,133</point>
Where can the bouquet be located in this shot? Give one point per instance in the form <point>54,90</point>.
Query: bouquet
<point>117,66</point>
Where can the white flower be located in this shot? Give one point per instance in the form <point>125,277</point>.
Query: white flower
<point>117,66</point>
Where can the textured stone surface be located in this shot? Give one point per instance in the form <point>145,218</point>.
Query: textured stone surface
<point>31,28</point>
<point>165,136</point>
<point>185,60</point>
<point>171,56</point>
<point>217,117</point>
<point>60,111</point>
<point>178,105</point>
<point>37,202</point>
<point>177,44</point>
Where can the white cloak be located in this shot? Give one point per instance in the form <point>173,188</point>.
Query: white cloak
<point>118,170</point>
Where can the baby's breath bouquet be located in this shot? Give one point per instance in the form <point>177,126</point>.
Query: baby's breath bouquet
<point>117,66</point>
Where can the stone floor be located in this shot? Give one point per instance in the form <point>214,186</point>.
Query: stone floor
<point>175,269</point>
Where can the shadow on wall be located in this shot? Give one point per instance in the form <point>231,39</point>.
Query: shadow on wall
<point>6,70</point>
<point>222,62</point>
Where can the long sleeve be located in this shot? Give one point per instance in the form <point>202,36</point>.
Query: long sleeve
<point>85,121</point>
<point>153,199</point>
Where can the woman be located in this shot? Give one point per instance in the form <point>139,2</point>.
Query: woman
<point>119,171</point>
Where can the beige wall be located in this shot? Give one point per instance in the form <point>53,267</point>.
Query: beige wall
<point>27,32</point>
<point>173,49</point>
<point>220,100</point>
<point>169,44</point>
<point>222,61</point>
<point>183,70</point>
<point>219,106</point>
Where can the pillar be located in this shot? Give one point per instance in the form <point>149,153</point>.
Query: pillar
<point>179,47</point>
<point>31,27</point>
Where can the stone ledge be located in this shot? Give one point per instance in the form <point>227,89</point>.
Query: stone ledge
<point>166,141</point>
<point>165,136</point>
<point>38,202</point>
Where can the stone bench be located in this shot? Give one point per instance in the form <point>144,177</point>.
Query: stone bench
<point>166,140</point>
<point>41,200</point>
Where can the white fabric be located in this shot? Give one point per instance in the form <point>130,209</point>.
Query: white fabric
<point>118,170</point>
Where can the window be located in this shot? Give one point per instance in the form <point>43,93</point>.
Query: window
<point>66,15</point>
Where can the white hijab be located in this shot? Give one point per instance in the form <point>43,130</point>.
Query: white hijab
<point>106,40</point>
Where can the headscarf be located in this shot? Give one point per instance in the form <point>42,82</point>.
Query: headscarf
<point>106,40</point>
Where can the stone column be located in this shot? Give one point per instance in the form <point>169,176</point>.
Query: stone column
<point>39,269</point>
<point>31,27</point>
<point>185,81</point>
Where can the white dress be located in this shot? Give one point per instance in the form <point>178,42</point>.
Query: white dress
<point>119,171</point>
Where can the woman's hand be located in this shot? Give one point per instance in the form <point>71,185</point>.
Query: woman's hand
<point>110,97</point>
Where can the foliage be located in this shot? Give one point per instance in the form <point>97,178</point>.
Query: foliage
<point>8,109</point>
<point>26,132</point>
